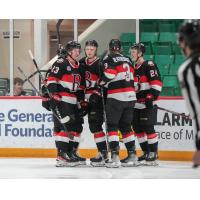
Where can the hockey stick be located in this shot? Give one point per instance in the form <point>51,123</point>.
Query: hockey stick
<point>37,91</point>
<point>26,78</point>
<point>57,113</point>
<point>58,32</point>
<point>103,102</point>
<point>32,75</point>
<point>59,47</point>
<point>29,77</point>
<point>61,50</point>
<point>173,112</point>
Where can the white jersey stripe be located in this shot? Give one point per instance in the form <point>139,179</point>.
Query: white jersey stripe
<point>121,76</point>
<point>152,140</point>
<point>123,96</point>
<point>101,139</point>
<point>72,100</point>
<point>113,138</point>
<point>156,87</point>
<point>61,139</point>
<point>142,139</point>
<point>128,139</point>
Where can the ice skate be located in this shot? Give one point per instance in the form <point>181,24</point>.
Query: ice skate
<point>130,161</point>
<point>75,155</point>
<point>142,159</point>
<point>152,159</point>
<point>100,160</point>
<point>115,161</point>
<point>63,160</point>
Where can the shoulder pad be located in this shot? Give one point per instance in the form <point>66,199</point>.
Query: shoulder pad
<point>151,63</point>
<point>60,60</point>
<point>129,59</point>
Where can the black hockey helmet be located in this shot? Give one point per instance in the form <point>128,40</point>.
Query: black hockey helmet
<point>72,45</point>
<point>189,32</point>
<point>115,45</point>
<point>139,46</point>
<point>92,43</point>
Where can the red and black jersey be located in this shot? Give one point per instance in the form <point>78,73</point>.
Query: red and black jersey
<point>90,71</point>
<point>64,79</point>
<point>147,81</point>
<point>119,77</point>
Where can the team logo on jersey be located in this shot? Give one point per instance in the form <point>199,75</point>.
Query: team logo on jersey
<point>150,63</point>
<point>69,68</point>
<point>60,60</point>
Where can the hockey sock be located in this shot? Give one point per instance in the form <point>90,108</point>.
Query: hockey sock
<point>142,139</point>
<point>113,140</point>
<point>62,141</point>
<point>100,140</point>
<point>153,142</point>
<point>129,141</point>
<point>75,142</point>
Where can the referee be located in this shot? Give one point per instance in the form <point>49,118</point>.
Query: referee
<point>189,75</point>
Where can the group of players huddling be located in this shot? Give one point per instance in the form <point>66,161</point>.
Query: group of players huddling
<point>110,90</point>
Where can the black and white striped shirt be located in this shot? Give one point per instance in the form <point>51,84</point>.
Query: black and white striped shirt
<point>189,78</point>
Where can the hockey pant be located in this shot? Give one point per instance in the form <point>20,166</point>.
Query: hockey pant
<point>95,120</point>
<point>70,113</point>
<point>119,117</point>
<point>143,125</point>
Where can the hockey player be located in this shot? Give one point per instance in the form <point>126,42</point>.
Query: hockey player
<point>63,82</point>
<point>148,86</point>
<point>118,78</point>
<point>189,75</point>
<point>91,70</point>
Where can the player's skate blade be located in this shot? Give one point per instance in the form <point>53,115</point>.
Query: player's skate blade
<point>151,163</point>
<point>130,161</point>
<point>114,162</point>
<point>81,160</point>
<point>64,163</point>
<point>100,160</point>
<point>63,160</point>
<point>142,159</point>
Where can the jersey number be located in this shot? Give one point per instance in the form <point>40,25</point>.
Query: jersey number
<point>127,72</point>
<point>153,73</point>
<point>55,69</point>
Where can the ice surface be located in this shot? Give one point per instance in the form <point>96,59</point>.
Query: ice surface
<point>45,168</point>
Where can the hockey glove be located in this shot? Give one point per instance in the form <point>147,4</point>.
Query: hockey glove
<point>45,103</point>
<point>95,99</point>
<point>45,99</point>
<point>54,101</point>
<point>100,83</point>
<point>83,110</point>
<point>149,101</point>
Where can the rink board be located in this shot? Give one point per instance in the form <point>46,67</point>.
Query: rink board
<point>26,130</point>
